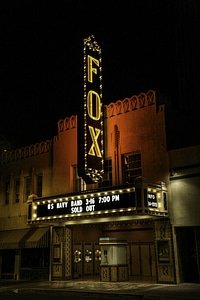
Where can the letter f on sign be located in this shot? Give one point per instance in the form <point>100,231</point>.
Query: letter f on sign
<point>95,145</point>
<point>92,70</point>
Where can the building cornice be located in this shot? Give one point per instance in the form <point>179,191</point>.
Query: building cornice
<point>26,152</point>
<point>130,104</point>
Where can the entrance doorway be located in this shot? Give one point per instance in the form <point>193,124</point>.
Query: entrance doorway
<point>188,251</point>
<point>140,256</point>
<point>142,261</point>
<point>86,259</point>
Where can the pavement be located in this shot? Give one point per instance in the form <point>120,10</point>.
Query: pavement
<point>122,290</point>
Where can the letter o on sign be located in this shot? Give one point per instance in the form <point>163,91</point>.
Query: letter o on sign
<point>93,96</point>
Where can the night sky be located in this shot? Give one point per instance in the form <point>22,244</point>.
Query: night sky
<point>146,44</point>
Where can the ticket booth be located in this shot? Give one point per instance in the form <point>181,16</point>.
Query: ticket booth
<point>113,265</point>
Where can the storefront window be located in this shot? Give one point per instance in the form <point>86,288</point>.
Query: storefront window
<point>35,258</point>
<point>8,261</point>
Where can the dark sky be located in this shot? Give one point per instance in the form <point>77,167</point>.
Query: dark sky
<point>146,44</point>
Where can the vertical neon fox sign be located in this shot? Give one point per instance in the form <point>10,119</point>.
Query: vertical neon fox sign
<point>91,142</point>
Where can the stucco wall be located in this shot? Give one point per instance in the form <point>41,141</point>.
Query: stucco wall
<point>185,186</point>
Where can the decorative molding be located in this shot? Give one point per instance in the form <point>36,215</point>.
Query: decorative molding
<point>26,152</point>
<point>130,104</point>
<point>67,123</point>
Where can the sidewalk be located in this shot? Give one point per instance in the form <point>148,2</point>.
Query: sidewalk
<point>126,290</point>
<point>147,290</point>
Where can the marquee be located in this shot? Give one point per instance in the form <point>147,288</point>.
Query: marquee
<point>120,201</point>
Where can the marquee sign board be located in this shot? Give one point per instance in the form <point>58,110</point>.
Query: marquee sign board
<point>115,201</point>
<point>98,204</point>
<point>90,120</point>
<point>152,200</point>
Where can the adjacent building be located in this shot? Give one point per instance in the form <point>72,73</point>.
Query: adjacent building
<point>184,210</point>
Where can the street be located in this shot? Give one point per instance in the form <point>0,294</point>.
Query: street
<point>52,295</point>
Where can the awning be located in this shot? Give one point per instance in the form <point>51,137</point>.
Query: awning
<point>38,238</point>
<point>24,238</point>
<point>10,239</point>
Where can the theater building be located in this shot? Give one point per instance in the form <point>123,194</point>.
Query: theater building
<point>96,199</point>
<point>52,222</point>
